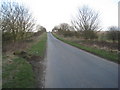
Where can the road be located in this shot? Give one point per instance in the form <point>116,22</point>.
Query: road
<point>70,67</point>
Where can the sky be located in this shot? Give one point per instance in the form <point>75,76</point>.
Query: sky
<point>50,13</point>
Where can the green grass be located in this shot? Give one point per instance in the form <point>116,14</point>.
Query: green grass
<point>102,53</point>
<point>39,48</point>
<point>19,73</point>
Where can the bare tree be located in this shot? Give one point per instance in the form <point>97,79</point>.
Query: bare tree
<point>16,21</point>
<point>40,28</point>
<point>87,22</point>
<point>55,29</point>
<point>64,26</point>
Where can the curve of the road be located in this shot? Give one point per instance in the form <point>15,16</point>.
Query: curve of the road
<point>70,67</point>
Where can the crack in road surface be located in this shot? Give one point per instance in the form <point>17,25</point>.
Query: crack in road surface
<point>69,67</point>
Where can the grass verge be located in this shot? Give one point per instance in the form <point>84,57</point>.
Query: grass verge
<point>102,53</point>
<point>18,72</point>
<point>39,48</point>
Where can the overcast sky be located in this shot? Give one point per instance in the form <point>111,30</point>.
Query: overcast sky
<point>49,13</point>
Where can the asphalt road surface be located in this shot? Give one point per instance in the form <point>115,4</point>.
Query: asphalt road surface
<point>70,67</point>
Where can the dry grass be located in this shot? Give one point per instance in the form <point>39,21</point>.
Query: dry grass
<point>104,45</point>
<point>20,45</point>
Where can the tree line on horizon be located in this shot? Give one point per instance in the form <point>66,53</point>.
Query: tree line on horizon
<point>86,25</point>
<point>17,23</point>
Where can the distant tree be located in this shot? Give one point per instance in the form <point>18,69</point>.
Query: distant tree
<point>112,34</point>
<point>40,28</point>
<point>56,29</point>
<point>64,29</point>
<point>64,26</point>
<point>87,22</point>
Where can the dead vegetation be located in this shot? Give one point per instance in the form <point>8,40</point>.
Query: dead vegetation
<point>19,45</point>
<point>108,46</point>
